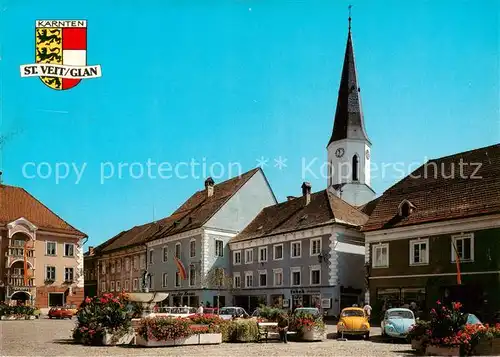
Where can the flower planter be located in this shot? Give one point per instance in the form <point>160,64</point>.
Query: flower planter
<point>416,344</point>
<point>110,339</point>
<point>32,317</point>
<point>487,347</point>
<point>198,339</point>
<point>313,335</point>
<point>210,338</point>
<point>433,350</point>
<point>14,317</point>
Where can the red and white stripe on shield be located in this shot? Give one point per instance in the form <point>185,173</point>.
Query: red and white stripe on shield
<point>74,51</point>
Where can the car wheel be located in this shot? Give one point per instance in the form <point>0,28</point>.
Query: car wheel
<point>367,336</point>
<point>50,317</point>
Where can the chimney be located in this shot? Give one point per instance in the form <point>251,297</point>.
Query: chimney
<point>209,186</point>
<point>306,192</point>
<point>1,173</point>
<point>91,250</point>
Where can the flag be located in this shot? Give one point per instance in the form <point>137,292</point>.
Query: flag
<point>457,260</point>
<point>180,267</point>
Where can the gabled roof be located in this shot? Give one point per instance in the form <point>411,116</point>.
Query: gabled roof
<point>192,214</point>
<point>293,215</point>
<point>439,191</point>
<point>16,202</point>
<point>349,122</point>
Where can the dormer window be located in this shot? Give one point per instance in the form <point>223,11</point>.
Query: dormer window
<point>405,208</point>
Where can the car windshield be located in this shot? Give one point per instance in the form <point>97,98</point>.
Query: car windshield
<point>400,314</point>
<point>349,313</point>
<point>473,320</point>
<point>227,311</point>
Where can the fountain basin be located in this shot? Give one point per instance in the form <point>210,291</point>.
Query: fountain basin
<point>147,297</point>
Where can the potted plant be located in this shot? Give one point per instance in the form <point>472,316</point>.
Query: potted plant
<point>419,335</point>
<point>104,320</point>
<point>487,341</point>
<point>308,327</point>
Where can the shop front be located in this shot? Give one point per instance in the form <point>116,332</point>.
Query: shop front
<point>183,298</point>
<point>305,298</point>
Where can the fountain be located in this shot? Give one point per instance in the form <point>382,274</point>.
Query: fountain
<point>145,298</point>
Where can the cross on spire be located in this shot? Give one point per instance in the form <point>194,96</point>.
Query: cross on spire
<point>350,7</point>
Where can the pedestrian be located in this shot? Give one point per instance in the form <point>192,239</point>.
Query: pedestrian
<point>200,309</point>
<point>283,327</point>
<point>368,310</point>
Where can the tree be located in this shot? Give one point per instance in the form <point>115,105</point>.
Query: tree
<point>217,278</point>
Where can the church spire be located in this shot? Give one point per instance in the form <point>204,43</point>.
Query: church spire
<point>349,123</point>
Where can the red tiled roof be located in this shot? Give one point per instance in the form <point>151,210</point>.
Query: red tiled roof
<point>324,208</point>
<point>16,202</point>
<point>439,191</point>
<point>192,214</point>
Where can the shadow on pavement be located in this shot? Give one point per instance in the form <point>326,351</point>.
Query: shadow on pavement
<point>65,341</point>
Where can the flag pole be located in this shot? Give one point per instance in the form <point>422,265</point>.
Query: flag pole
<point>457,261</point>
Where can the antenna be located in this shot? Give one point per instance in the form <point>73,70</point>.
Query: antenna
<point>154,219</point>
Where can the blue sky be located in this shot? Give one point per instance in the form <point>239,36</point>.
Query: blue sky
<point>231,81</point>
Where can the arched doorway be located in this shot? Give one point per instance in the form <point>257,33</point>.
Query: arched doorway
<point>20,298</point>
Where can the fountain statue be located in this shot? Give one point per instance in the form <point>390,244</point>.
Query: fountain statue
<point>145,298</point>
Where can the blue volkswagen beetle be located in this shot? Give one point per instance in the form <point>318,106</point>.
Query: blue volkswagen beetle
<point>397,322</point>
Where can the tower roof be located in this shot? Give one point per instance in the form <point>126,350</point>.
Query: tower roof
<point>349,123</point>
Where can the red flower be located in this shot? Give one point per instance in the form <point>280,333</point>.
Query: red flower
<point>457,306</point>
<point>438,302</point>
<point>88,300</point>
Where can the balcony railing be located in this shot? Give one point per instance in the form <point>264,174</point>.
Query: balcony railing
<point>13,254</point>
<point>19,282</point>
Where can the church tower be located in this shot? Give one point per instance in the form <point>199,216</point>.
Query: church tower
<point>349,148</point>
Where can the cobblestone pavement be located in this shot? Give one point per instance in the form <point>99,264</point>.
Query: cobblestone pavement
<point>46,337</point>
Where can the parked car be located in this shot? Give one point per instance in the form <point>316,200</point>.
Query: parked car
<point>60,313</point>
<point>227,313</point>
<point>397,322</point>
<point>175,311</point>
<point>353,321</point>
<point>314,311</point>
<point>210,310</point>
<point>72,308</point>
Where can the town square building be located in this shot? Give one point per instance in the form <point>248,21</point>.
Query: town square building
<point>41,255</point>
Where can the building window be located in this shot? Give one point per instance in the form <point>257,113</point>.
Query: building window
<point>112,288</point>
<point>419,252</point>
<point>295,276</point>
<point>177,279</point>
<point>248,256</point>
<point>237,257</point>
<point>112,267</point>
<point>142,261</point>
<point>192,248</point>
<point>127,264</point>
<point>315,246</point>
<point>127,285</point>
<point>219,248</point>
<point>355,164</point>
<point>192,275</point>
<point>315,275</point>
<point>237,280</point>
<point>165,254</point>
<point>50,273</point>
<point>69,274</point>
<point>118,286</point>
<point>51,248</point>
<point>165,280</point>
<point>464,245</point>
<point>135,284</point>
<point>262,278</point>
<point>103,286</point>
<point>380,255</point>
<point>278,252</point>
<point>248,279</point>
<point>136,262</point>
<point>118,265</point>
<point>262,254</point>
<point>278,277</point>
<point>69,250</point>
<point>295,250</point>
<point>151,256</point>
<point>178,250</point>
